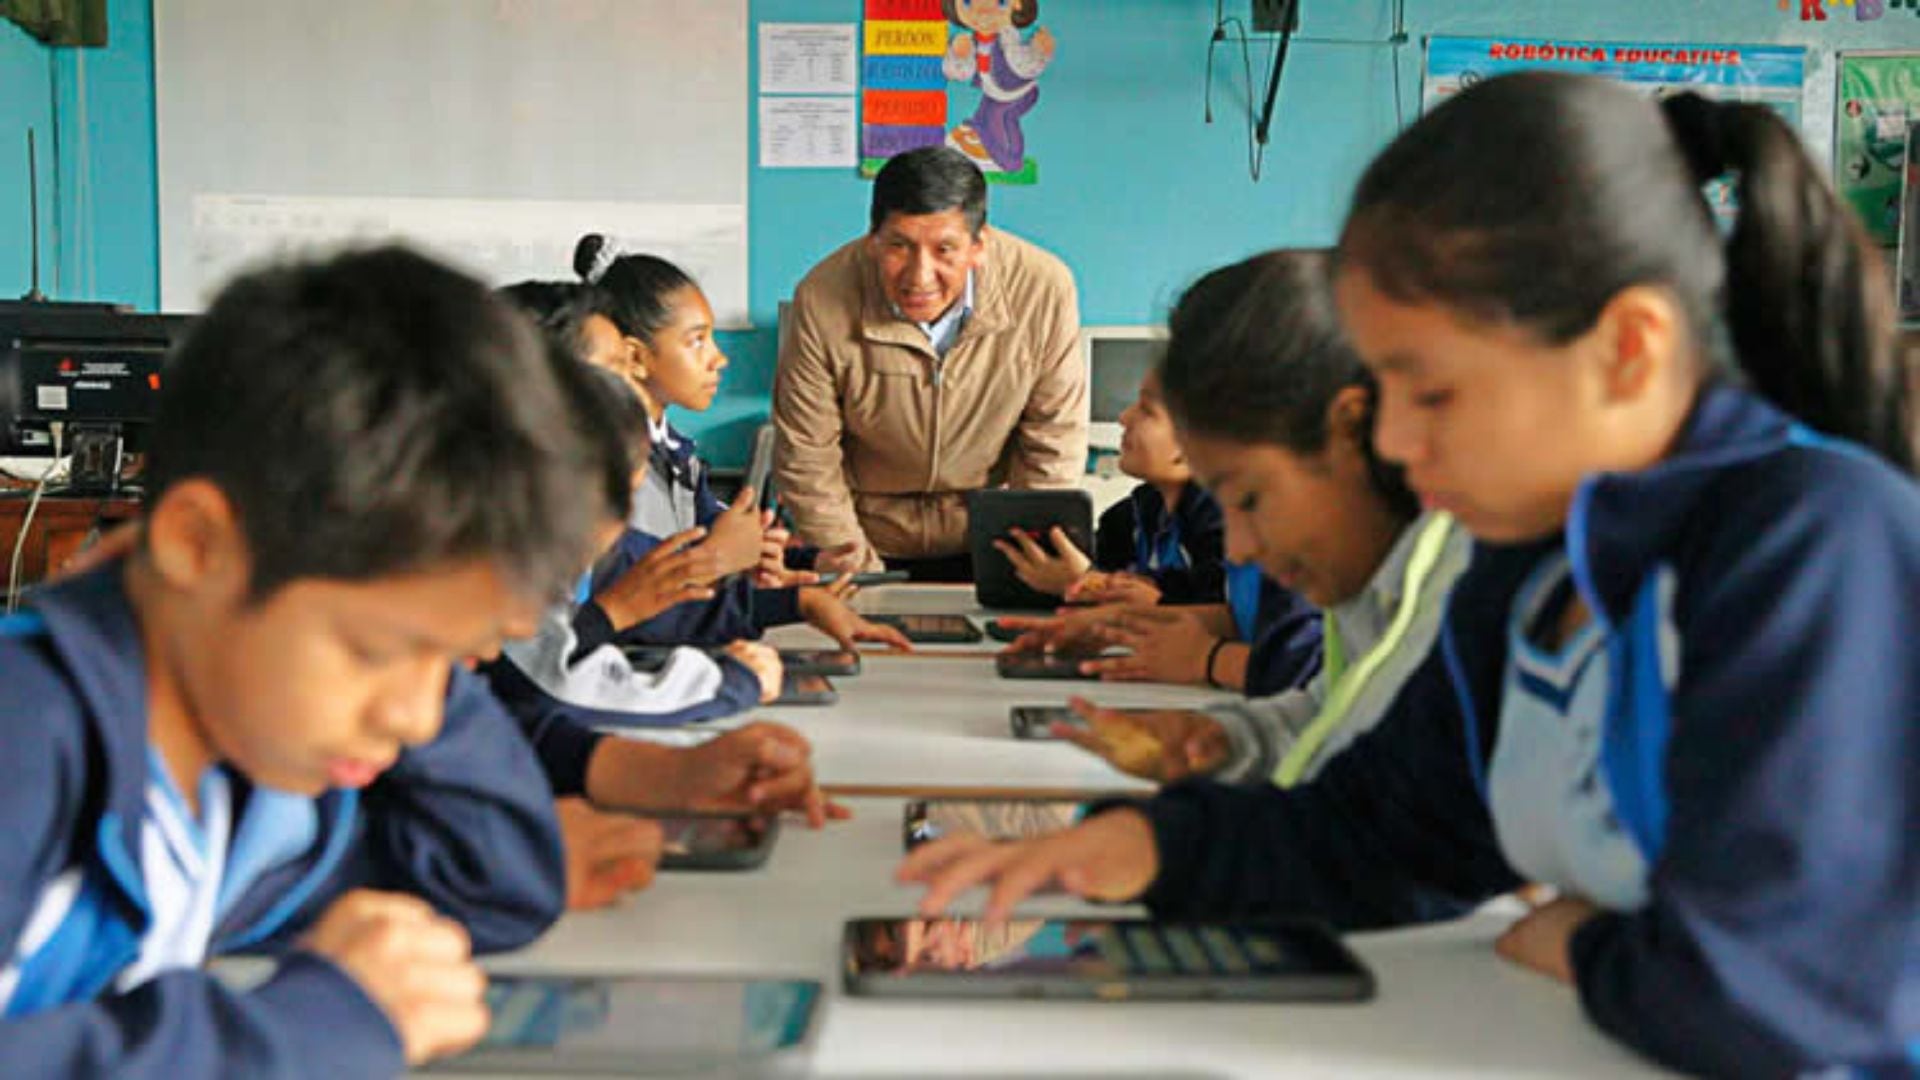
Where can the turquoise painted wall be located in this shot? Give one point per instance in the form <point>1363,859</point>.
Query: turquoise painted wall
<point>26,101</point>
<point>1136,192</point>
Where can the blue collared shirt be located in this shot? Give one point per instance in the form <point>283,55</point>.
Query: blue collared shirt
<point>945,330</point>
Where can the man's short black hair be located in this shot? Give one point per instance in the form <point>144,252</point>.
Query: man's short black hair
<point>932,180</point>
<point>375,414</point>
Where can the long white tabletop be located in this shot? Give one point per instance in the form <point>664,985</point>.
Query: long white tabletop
<point>1446,1006</point>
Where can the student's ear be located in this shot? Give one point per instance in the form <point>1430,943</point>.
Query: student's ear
<point>1347,432</point>
<point>639,358</point>
<point>195,543</point>
<point>1638,339</point>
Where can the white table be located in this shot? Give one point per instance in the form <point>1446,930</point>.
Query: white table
<point>1446,1006</point>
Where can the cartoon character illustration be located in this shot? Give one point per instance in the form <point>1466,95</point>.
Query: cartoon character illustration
<point>993,56</point>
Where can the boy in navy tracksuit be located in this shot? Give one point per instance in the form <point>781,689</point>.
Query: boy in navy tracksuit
<point>250,733</point>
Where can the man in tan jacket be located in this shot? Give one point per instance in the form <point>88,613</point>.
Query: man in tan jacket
<point>932,357</point>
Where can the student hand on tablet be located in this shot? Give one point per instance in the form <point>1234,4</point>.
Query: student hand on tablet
<point>1098,587</point>
<point>1163,745</point>
<point>1108,857</point>
<point>608,855</point>
<point>845,559</point>
<point>1042,570</point>
<point>1073,630</point>
<point>1165,645</point>
<point>772,573</point>
<point>412,962</point>
<point>764,662</point>
<point>823,608</point>
<point>761,768</point>
<point>735,535</point>
<point>1540,941</point>
<point>679,571</point>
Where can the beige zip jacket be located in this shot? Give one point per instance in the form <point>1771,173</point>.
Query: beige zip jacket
<point>879,440</point>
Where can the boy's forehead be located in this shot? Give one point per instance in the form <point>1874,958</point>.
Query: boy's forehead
<point>454,607</point>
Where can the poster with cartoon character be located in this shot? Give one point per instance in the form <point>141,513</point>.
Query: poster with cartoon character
<point>1878,94</point>
<point>998,50</point>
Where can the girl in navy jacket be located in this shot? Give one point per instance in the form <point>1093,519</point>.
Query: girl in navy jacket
<point>1679,681</point>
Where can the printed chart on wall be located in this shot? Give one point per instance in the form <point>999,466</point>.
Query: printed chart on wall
<point>992,52</point>
<point>1878,94</point>
<point>1769,75</point>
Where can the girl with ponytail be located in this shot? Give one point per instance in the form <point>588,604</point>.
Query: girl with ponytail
<point>1681,682</point>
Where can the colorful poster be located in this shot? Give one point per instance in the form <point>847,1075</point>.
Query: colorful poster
<point>1766,74</point>
<point>918,49</point>
<point>1878,94</point>
<point>1770,75</point>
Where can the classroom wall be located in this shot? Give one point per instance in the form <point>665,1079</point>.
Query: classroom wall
<point>1135,191</point>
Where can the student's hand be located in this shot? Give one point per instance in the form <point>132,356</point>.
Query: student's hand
<point>608,855</point>
<point>1166,645</point>
<point>772,573</point>
<point>414,963</point>
<point>1072,630</point>
<point>681,570</point>
<point>1117,588</point>
<point>1044,42</point>
<point>761,768</point>
<point>1048,571</point>
<point>848,558</point>
<point>831,616</point>
<point>1162,745</point>
<point>735,534</point>
<point>764,662</point>
<point>115,543</point>
<point>1110,856</point>
<point>1540,941</point>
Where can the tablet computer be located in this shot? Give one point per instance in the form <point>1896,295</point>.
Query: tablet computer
<point>1100,960</point>
<point>993,514</point>
<point>820,662</point>
<point>1043,665</point>
<point>645,1025</point>
<point>806,690</point>
<point>759,478</point>
<point>932,629</point>
<point>995,819</point>
<point>716,842</point>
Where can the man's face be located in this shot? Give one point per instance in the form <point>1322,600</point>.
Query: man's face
<point>924,260</point>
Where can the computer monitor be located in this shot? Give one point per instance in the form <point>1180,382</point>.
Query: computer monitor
<point>1118,358</point>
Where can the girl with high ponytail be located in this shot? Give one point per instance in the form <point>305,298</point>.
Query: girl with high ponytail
<point>1681,678</point>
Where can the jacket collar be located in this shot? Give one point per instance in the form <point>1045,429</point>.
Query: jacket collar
<point>1621,524</point>
<point>92,627</point>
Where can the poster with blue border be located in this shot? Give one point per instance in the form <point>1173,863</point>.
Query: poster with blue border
<point>1774,75</point>
<point>1770,75</point>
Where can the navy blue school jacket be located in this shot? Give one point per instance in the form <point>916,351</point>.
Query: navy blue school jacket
<point>465,822</point>
<point>1759,591</point>
<point>738,611</point>
<point>1190,543</point>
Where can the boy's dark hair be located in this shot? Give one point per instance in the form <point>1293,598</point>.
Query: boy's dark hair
<point>931,180</point>
<point>374,414</point>
<point>1255,355</point>
<point>629,290</point>
<point>1024,12</point>
<point>612,414</point>
<point>1536,198</point>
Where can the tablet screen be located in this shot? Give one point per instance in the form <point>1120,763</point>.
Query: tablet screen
<point>638,1024</point>
<point>711,835</point>
<point>1090,949</point>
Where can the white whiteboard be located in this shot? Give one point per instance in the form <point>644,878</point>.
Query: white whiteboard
<point>493,132</point>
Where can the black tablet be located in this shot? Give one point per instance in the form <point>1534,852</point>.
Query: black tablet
<point>993,514</point>
<point>644,1025</point>
<point>806,690</point>
<point>932,629</point>
<point>1100,960</point>
<point>1042,665</point>
<point>995,819</point>
<point>696,842</point>
<point>820,662</point>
